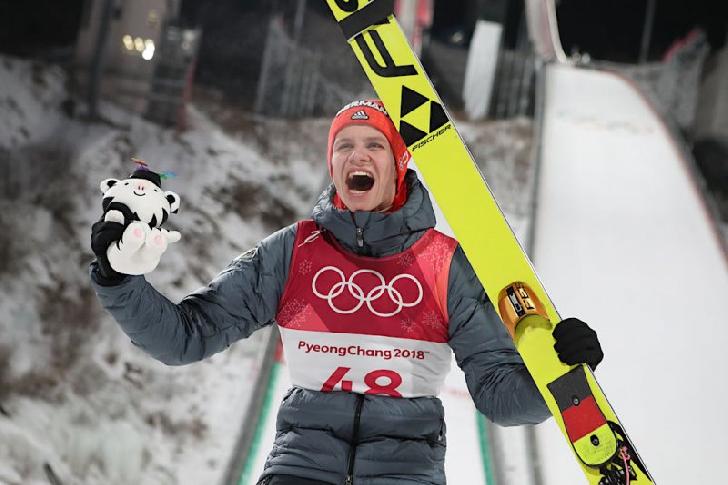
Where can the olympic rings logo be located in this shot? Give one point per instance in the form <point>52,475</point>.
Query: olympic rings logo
<point>358,293</point>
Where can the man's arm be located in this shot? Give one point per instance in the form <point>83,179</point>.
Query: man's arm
<point>496,376</point>
<point>240,300</point>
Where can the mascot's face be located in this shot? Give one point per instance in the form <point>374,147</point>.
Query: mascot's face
<point>145,199</point>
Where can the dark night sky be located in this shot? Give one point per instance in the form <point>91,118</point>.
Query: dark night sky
<point>612,29</point>
<point>608,29</point>
<point>29,26</point>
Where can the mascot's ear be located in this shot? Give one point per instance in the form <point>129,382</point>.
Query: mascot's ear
<point>173,200</point>
<point>107,184</point>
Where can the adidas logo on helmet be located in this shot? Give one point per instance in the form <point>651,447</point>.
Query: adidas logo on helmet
<point>377,105</point>
<point>360,115</point>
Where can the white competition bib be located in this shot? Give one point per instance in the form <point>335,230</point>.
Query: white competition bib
<point>365,364</point>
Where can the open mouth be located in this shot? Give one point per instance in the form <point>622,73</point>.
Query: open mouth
<point>360,181</point>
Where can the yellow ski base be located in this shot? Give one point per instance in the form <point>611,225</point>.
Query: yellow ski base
<point>479,226</point>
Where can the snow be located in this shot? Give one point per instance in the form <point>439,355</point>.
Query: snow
<point>623,241</point>
<point>75,394</point>
<point>28,102</point>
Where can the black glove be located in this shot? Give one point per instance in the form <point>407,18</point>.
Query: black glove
<point>577,343</point>
<point>104,234</point>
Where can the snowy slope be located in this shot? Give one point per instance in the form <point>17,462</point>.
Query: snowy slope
<point>623,241</point>
<point>74,393</point>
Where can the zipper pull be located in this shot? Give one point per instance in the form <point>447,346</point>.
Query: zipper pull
<point>360,237</point>
<point>349,480</point>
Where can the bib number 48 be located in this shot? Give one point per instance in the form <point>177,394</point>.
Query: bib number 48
<point>373,380</point>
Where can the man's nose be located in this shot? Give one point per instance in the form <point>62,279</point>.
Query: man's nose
<point>358,155</point>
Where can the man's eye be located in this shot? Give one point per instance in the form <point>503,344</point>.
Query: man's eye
<point>375,144</point>
<point>343,146</point>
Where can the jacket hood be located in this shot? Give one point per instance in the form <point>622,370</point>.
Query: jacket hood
<point>378,233</point>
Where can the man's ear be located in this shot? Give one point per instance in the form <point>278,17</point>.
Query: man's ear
<point>107,184</point>
<point>173,199</point>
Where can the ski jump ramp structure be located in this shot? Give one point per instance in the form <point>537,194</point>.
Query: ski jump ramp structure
<point>623,239</point>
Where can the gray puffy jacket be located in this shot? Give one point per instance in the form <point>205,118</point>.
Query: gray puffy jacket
<point>332,437</point>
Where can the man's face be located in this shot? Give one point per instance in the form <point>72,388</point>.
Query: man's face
<point>363,168</point>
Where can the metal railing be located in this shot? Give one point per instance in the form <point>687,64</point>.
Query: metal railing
<point>674,83</point>
<point>513,89</point>
<point>291,84</point>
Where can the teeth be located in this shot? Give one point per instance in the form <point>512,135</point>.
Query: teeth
<point>361,172</point>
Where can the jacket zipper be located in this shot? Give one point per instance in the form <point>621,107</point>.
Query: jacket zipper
<point>359,232</point>
<point>354,440</point>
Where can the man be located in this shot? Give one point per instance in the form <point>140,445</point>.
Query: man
<point>370,301</point>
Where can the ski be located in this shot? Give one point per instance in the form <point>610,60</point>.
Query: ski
<point>580,407</point>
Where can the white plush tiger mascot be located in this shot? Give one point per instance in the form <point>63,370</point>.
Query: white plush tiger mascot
<point>140,204</point>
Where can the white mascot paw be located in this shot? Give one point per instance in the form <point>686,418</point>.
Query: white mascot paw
<point>128,256</point>
<point>140,204</point>
<point>158,239</point>
<point>172,236</point>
